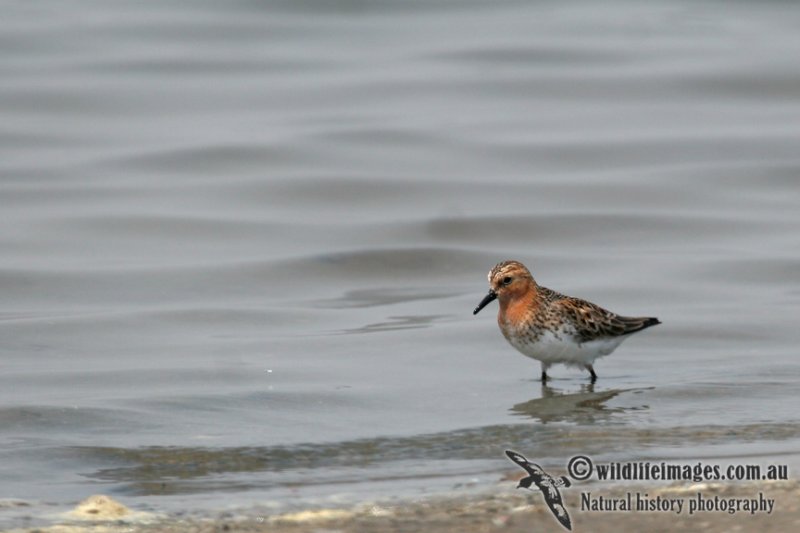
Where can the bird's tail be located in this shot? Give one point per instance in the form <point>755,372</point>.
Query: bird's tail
<point>634,324</point>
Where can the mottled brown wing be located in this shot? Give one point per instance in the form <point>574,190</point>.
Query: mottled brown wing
<point>593,322</point>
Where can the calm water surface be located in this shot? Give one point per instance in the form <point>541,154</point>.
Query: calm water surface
<point>241,242</point>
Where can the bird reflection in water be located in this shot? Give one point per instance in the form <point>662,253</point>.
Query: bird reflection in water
<point>586,406</point>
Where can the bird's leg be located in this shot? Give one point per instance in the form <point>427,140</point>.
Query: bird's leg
<point>544,373</point>
<point>590,368</point>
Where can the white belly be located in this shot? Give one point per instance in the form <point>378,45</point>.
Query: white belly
<point>550,348</point>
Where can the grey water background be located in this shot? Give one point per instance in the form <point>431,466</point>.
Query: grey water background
<point>241,242</point>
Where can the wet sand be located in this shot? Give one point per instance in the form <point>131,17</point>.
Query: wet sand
<point>504,510</point>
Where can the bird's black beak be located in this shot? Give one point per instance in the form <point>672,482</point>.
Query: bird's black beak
<point>486,300</point>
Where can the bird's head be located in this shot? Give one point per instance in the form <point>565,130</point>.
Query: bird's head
<point>525,483</point>
<point>507,280</point>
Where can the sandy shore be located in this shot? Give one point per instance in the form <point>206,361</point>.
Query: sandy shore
<point>506,510</point>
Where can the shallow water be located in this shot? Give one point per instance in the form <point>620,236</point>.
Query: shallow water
<point>241,243</point>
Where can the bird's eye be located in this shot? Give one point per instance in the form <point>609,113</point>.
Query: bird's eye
<point>507,280</point>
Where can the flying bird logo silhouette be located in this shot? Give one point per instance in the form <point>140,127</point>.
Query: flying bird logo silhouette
<point>547,484</point>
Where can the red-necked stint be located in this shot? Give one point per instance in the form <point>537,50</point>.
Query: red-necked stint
<point>551,327</point>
